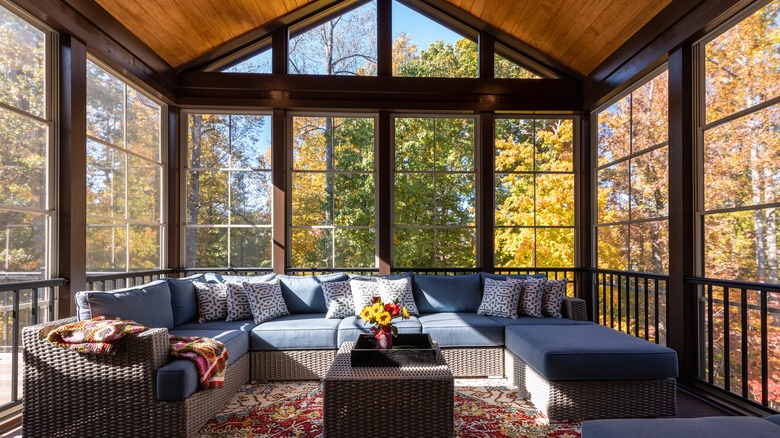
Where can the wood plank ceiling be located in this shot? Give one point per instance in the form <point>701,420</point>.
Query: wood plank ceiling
<point>579,34</point>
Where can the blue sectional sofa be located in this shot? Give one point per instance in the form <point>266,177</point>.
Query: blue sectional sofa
<point>300,345</point>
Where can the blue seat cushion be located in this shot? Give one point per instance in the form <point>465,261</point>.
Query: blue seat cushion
<point>447,293</point>
<point>454,329</point>
<point>589,352</point>
<point>711,427</point>
<point>304,331</point>
<point>352,326</point>
<point>530,320</point>
<point>148,304</point>
<point>245,324</point>
<point>303,294</point>
<point>178,379</point>
<point>183,298</point>
<point>773,419</point>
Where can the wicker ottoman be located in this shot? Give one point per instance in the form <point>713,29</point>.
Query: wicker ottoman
<point>405,401</point>
<point>590,372</point>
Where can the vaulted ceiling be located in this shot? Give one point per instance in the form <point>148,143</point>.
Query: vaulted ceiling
<point>578,34</point>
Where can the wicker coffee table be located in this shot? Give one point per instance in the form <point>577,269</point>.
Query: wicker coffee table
<point>404,401</point>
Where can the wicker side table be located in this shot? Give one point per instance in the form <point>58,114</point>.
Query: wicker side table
<point>405,401</point>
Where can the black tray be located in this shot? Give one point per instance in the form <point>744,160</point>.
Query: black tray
<point>408,349</point>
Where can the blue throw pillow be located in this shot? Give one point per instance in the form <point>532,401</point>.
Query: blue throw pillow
<point>447,293</point>
<point>148,304</point>
<point>303,294</point>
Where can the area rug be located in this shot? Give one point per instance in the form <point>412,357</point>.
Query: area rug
<point>483,408</point>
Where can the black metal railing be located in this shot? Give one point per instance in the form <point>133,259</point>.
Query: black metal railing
<point>22,304</point>
<point>632,302</point>
<point>117,280</point>
<point>739,337</point>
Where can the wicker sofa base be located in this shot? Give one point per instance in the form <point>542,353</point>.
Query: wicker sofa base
<point>291,364</point>
<point>593,399</point>
<point>475,362</point>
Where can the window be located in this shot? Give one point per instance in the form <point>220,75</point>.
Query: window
<point>632,180</point>
<point>125,171</point>
<point>26,207</point>
<point>435,192</point>
<point>333,192</point>
<point>506,68</point>
<point>228,191</point>
<point>257,62</point>
<point>343,45</point>
<point>424,48</point>
<point>741,170</point>
<point>534,194</point>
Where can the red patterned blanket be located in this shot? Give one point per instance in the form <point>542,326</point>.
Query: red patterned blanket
<point>99,335</point>
<point>210,357</point>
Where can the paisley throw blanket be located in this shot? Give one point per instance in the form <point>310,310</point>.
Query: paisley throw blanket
<point>210,357</point>
<point>99,335</point>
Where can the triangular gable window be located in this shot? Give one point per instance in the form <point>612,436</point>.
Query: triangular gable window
<point>423,47</point>
<point>506,69</point>
<point>343,45</point>
<point>260,62</point>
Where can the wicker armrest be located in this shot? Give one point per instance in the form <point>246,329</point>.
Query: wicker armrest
<point>574,308</point>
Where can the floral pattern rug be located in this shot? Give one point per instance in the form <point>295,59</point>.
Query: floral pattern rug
<point>483,408</point>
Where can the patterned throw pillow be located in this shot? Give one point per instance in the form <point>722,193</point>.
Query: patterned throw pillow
<point>338,298</point>
<point>362,293</point>
<point>400,290</point>
<point>237,302</point>
<point>499,298</point>
<point>212,301</point>
<point>266,301</point>
<point>531,297</point>
<point>552,297</point>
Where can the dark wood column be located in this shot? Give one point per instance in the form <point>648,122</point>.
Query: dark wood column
<point>681,298</point>
<point>487,50</point>
<point>486,212</point>
<point>279,197</point>
<point>279,44</point>
<point>175,190</point>
<point>583,219</point>
<point>384,162</point>
<point>72,245</point>
<point>384,37</point>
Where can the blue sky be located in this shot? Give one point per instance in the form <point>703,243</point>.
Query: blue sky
<point>423,30</point>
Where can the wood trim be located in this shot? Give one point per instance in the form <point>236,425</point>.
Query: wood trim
<point>384,216</point>
<point>584,250</point>
<point>279,43</point>
<point>682,300</point>
<point>681,21</point>
<point>363,92</point>
<point>176,149</point>
<point>279,181</point>
<point>105,38</point>
<point>384,37</point>
<point>72,197</point>
<point>487,51</point>
<point>486,205</point>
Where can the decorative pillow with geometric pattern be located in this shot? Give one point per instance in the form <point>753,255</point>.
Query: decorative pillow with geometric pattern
<point>552,297</point>
<point>266,300</point>
<point>400,290</point>
<point>531,297</point>
<point>212,301</point>
<point>338,298</point>
<point>238,307</point>
<point>499,298</point>
<point>362,293</point>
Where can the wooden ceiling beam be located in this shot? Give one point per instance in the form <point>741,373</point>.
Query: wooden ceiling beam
<point>377,93</point>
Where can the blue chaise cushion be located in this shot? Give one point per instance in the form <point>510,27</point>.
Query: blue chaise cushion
<point>710,427</point>
<point>148,304</point>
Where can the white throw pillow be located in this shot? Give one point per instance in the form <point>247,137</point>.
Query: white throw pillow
<point>363,291</point>
<point>338,299</point>
<point>531,297</point>
<point>400,290</point>
<point>499,298</point>
<point>554,290</point>
<point>266,301</point>
<point>212,301</point>
<point>238,307</point>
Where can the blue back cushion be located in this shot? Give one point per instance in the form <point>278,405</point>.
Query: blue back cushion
<point>183,298</point>
<point>148,304</point>
<point>445,293</point>
<point>303,294</point>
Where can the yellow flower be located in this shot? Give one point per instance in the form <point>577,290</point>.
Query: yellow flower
<point>384,318</point>
<point>404,313</point>
<point>377,308</point>
<point>366,313</point>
